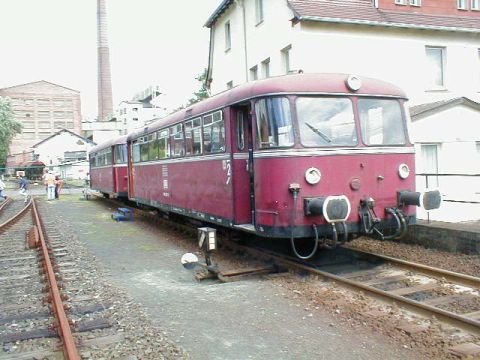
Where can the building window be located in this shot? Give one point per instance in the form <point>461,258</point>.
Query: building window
<point>228,36</point>
<point>44,125</point>
<point>43,135</point>
<point>28,124</point>
<point>254,73</point>
<point>400,2</point>
<point>229,84</point>
<point>44,114</point>
<point>462,4</point>
<point>28,135</point>
<point>415,2</point>
<point>59,124</point>
<point>135,119</point>
<point>429,163</point>
<point>258,11</point>
<point>436,67</point>
<point>475,5</point>
<point>43,102</point>
<point>58,114</point>
<point>285,52</point>
<point>266,68</point>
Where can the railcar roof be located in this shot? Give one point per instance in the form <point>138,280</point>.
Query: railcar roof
<point>286,84</point>
<point>115,141</point>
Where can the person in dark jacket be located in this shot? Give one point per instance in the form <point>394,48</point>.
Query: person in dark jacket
<point>24,187</point>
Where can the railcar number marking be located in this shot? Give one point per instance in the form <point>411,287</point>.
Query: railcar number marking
<point>227,165</point>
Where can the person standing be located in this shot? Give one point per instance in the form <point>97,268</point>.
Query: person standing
<point>2,190</point>
<point>24,188</point>
<point>58,186</point>
<point>50,183</point>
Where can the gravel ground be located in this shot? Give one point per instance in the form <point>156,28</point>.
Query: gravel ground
<point>467,264</point>
<point>131,336</point>
<point>260,318</point>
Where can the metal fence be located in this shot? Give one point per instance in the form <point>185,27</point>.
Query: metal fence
<point>460,188</point>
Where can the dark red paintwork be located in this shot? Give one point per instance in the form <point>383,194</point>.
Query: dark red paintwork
<point>217,188</point>
<point>110,179</point>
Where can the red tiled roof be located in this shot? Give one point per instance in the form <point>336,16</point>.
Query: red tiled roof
<point>363,12</point>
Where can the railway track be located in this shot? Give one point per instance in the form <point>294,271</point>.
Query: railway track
<point>452,297</point>
<point>38,284</point>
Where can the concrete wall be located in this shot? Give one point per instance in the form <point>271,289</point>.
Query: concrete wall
<point>446,237</point>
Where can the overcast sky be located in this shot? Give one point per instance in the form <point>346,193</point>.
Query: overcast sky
<point>152,42</point>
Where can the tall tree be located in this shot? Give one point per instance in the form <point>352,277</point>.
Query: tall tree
<point>9,127</point>
<point>203,92</point>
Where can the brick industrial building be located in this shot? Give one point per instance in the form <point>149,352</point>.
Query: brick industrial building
<point>42,108</point>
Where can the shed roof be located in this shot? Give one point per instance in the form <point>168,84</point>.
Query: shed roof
<point>420,111</point>
<point>62,131</point>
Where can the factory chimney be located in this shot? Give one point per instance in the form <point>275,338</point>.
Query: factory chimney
<point>105,106</point>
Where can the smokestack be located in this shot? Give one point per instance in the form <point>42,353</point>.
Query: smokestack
<point>105,106</point>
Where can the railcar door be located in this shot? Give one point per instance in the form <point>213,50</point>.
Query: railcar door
<point>131,172</point>
<point>242,150</point>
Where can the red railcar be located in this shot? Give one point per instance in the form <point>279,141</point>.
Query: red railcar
<point>108,168</point>
<point>319,156</point>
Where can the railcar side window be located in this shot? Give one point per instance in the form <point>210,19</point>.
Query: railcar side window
<point>177,141</point>
<point>381,122</point>
<point>143,148</point>
<point>108,156</point>
<point>274,123</point>
<point>240,131</point>
<point>193,136</point>
<point>120,152</point>
<point>163,144</point>
<point>136,151</point>
<point>152,147</point>
<point>213,133</point>
<point>326,121</point>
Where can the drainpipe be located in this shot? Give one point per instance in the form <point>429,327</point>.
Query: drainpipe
<point>208,78</point>
<point>241,3</point>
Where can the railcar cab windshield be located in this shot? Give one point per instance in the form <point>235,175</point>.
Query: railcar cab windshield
<point>329,121</point>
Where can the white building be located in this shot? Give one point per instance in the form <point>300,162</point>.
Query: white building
<point>61,147</point>
<point>430,48</point>
<point>134,114</point>
<point>447,140</point>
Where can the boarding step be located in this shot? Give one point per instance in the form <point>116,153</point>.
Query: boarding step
<point>246,227</point>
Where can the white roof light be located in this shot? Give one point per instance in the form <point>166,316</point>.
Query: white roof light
<point>354,83</point>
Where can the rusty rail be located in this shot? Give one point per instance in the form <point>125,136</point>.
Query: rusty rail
<point>63,327</point>
<point>16,216</point>
<point>5,203</point>
<point>463,279</point>
<point>462,322</point>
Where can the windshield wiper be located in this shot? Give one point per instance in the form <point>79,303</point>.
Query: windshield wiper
<point>318,132</point>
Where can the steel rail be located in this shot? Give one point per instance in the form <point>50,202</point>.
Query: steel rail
<point>463,279</point>
<point>5,203</point>
<point>468,324</point>
<point>16,216</point>
<point>64,331</point>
